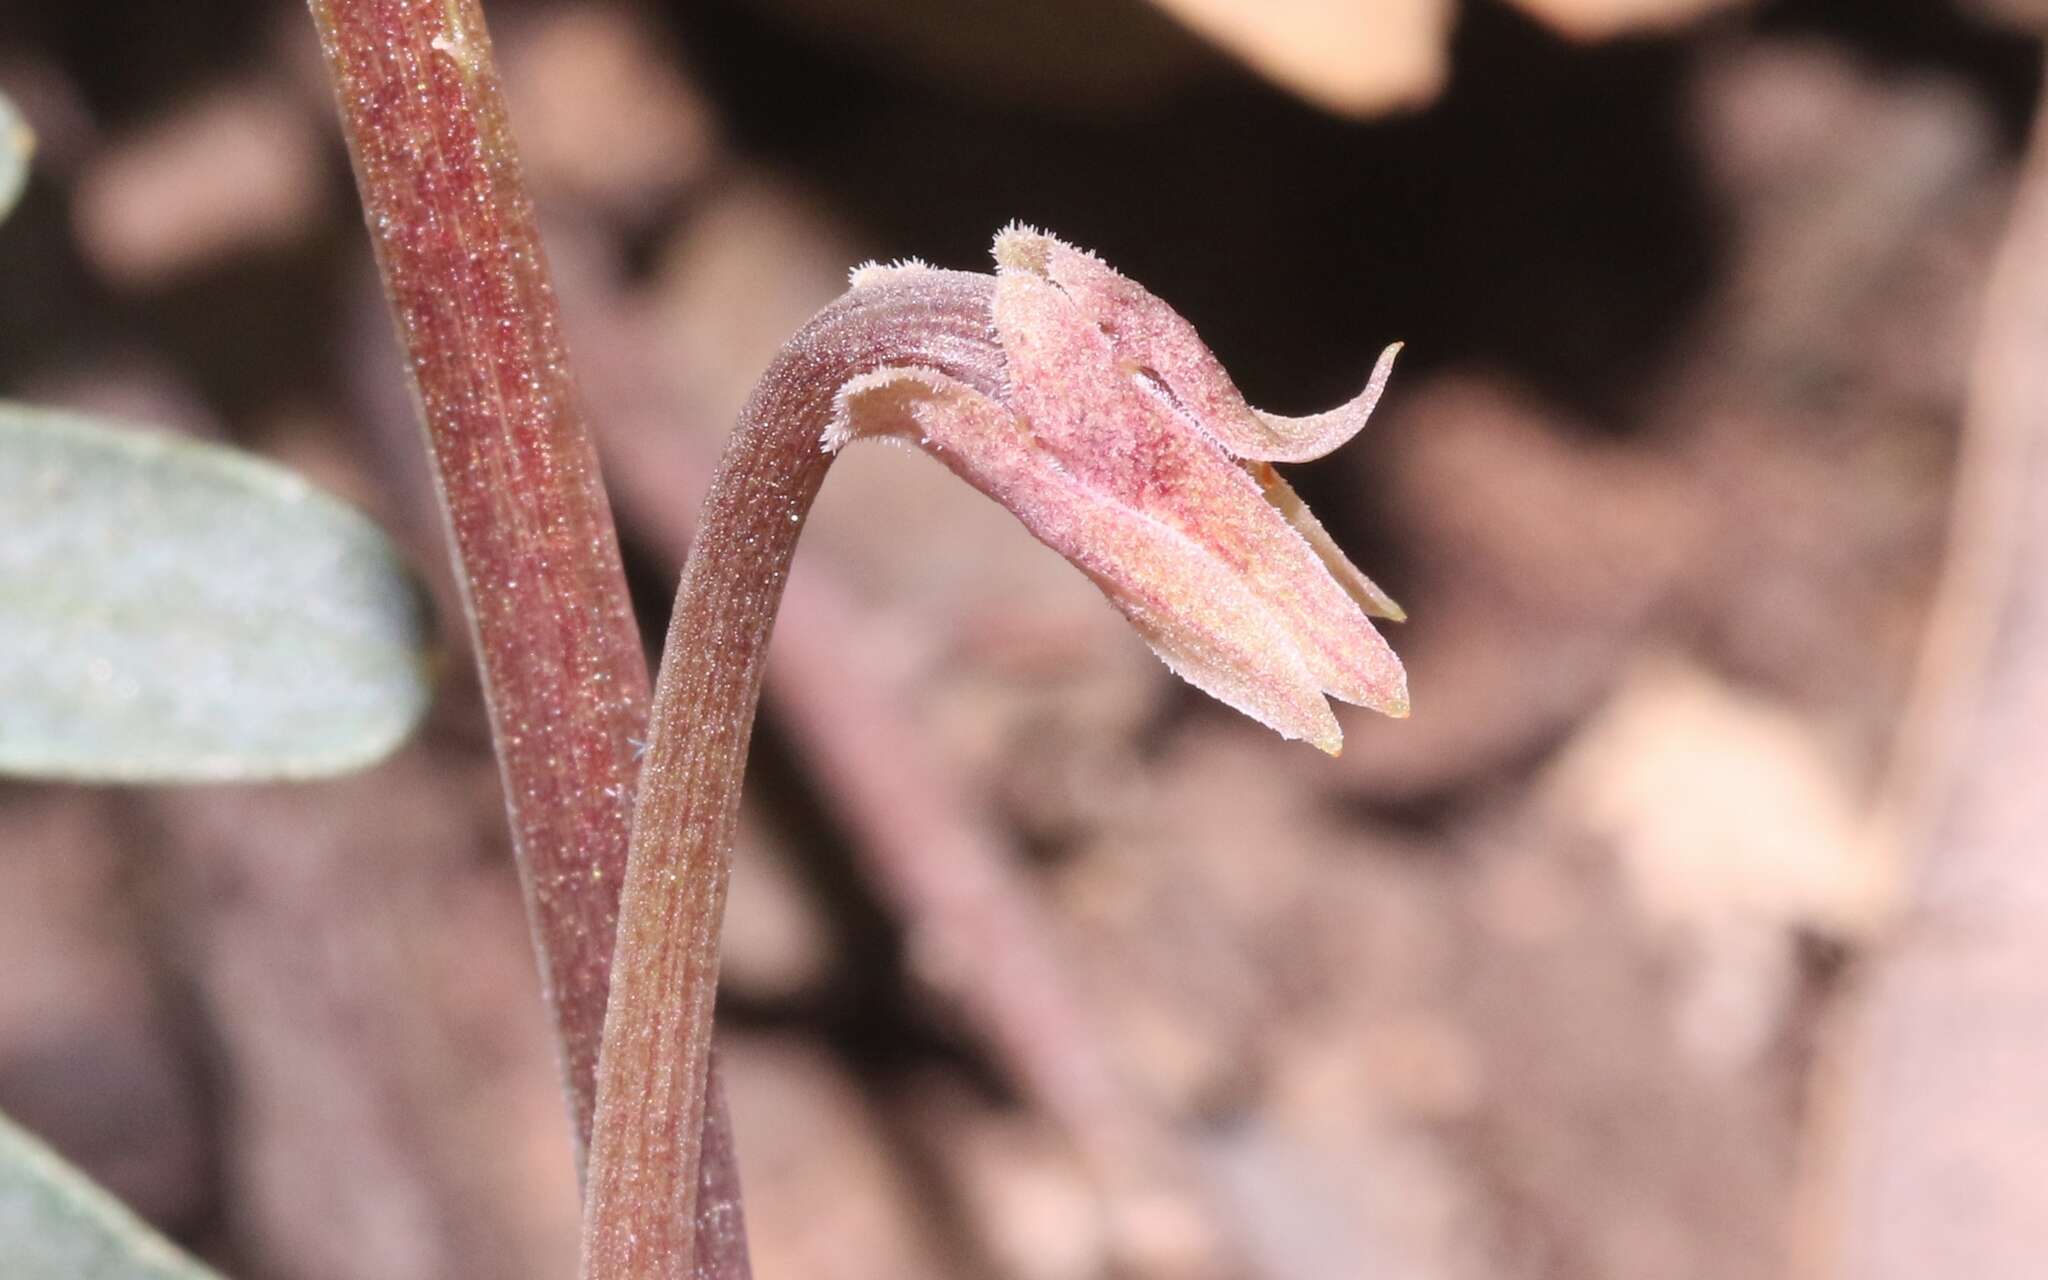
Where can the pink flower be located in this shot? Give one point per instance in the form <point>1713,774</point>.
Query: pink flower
<point>1120,442</point>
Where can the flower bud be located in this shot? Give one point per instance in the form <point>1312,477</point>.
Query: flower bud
<point>1121,443</point>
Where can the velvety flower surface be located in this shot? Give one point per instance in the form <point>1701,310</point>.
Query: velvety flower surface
<point>1120,442</point>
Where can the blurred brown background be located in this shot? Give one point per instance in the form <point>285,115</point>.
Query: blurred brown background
<point>1040,967</point>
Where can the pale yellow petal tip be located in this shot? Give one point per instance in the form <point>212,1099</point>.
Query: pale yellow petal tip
<point>1396,706</point>
<point>1323,732</point>
<point>1330,741</point>
<point>871,273</point>
<point>1392,703</point>
<point>1020,247</point>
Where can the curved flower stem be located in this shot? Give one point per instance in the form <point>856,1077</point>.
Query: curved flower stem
<point>641,1211</point>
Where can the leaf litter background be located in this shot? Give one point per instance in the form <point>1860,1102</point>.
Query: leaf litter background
<point>1038,966</point>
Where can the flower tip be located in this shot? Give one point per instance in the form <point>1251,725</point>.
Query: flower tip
<point>1382,369</point>
<point>1022,247</point>
<point>1304,439</point>
<point>874,272</point>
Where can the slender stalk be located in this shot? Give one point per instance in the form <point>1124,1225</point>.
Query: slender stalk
<point>535,551</point>
<point>1927,1146</point>
<point>642,1204</point>
<point>536,556</point>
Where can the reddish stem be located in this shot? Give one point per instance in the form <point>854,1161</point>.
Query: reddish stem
<point>641,1207</point>
<point>536,554</point>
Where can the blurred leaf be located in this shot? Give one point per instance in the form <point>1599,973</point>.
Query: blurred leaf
<point>1351,57</point>
<point>17,145</point>
<point>175,611</point>
<point>1606,19</point>
<point>57,1224</point>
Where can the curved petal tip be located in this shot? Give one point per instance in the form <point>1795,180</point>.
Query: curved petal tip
<point>1305,438</point>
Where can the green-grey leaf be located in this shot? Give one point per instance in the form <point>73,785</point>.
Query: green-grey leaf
<point>57,1224</point>
<point>17,145</point>
<point>174,611</point>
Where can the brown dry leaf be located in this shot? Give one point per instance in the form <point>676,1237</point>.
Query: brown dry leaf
<point>1351,57</point>
<point>1602,19</point>
<point>1735,829</point>
<point>359,951</point>
<point>826,1197</point>
<point>777,938</point>
<point>236,171</point>
<point>1024,1194</point>
<point>1719,801</point>
<point>80,1004</point>
<point>593,72</point>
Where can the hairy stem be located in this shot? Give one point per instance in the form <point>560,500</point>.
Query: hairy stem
<point>641,1212</point>
<point>535,551</point>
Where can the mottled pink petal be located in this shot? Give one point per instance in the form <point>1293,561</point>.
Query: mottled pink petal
<point>1199,614</point>
<point>1066,380</point>
<point>1107,427</point>
<point>1157,346</point>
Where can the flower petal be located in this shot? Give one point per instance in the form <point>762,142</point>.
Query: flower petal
<point>1312,436</point>
<point>1375,602</point>
<point>1203,619</point>
<point>1111,436</point>
<point>1159,346</point>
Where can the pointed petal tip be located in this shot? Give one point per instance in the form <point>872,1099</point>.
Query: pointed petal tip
<point>1371,600</point>
<point>1376,381</point>
<point>1395,706</point>
<point>1385,692</point>
<point>1307,438</point>
<point>1318,727</point>
<point>1325,734</point>
<point>1391,703</point>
